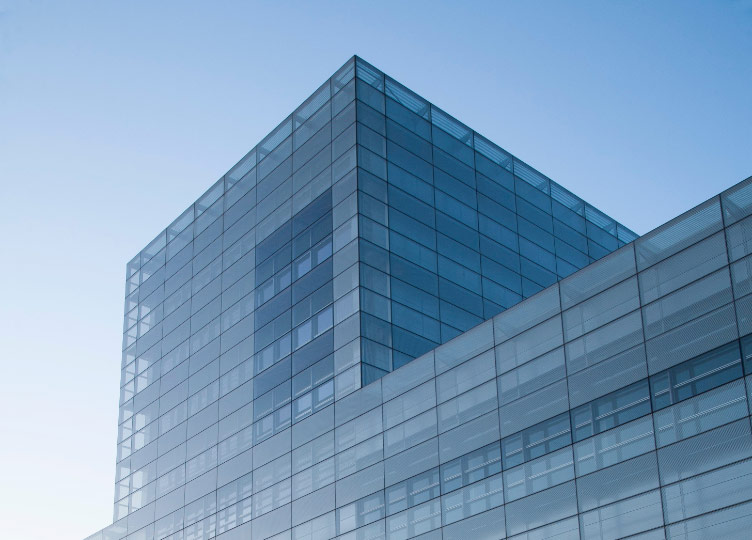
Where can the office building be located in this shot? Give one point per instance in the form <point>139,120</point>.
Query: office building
<point>378,324</point>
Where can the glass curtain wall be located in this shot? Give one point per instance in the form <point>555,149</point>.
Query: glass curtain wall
<point>363,231</point>
<point>453,229</point>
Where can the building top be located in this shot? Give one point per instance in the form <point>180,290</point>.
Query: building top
<point>282,139</point>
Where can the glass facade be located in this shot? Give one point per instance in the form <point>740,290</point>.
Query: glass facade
<point>452,228</point>
<point>372,233</point>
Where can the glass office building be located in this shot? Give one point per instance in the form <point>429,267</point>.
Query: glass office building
<point>554,376</point>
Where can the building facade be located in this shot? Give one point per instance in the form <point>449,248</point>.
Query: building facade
<point>379,324</point>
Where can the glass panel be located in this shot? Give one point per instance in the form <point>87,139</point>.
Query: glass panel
<point>688,303</point>
<point>701,413</point>
<point>406,97</point>
<point>705,452</point>
<point>734,522</point>
<point>527,314</point>
<point>566,529</point>
<point>601,309</point>
<point>624,480</point>
<point>467,406</point>
<point>679,233</point>
<point>464,347</point>
<point>611,410</point>
<point>534,408</point>
<point>529,344</point>
<point>683,268</point>
<point>614,446</point>
<point>412,492</point>
<point>622,519</point>
<point>710,491</point>
<point>470,468</point>
<point>737,201</point>
<point>472,500</point>
<point>536,441</point>
<point>541,509</point>
<point>598,277</point>
<point>485,526</point>
<point>532,376</point>
<point>414,521</point>
<point>539,474</point>
<point>693,377</point>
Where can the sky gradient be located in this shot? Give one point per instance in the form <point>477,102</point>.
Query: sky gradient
<point>115,117</point>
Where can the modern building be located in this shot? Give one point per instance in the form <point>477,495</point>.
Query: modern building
<point>380,325</point>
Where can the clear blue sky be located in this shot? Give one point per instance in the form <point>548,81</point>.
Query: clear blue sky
<point>115,116</point>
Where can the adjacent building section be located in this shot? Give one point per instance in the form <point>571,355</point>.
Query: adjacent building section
<point>613,404</point>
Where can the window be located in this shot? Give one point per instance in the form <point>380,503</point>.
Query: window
<point>536,441</point>
<point>696,376</point>
<point>611,410</point>
<point>471,467</point>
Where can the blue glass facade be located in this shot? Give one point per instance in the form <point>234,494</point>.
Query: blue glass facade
<point>369,233</point>
<point>452,228</point>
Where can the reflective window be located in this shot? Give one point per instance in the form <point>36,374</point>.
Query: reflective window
<point>413,491</point>
<point>695,376</point>
<point>364,511</point>
<point>470,468</point>
<point>700,413</point>
<point>614,446</point>
<point>611,410</point>
<point>536,441</point>
<point>472,499</point>
<point>539,474</point>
